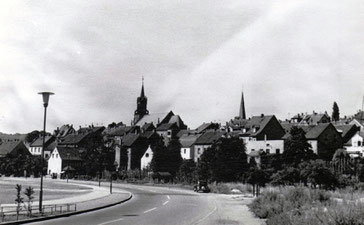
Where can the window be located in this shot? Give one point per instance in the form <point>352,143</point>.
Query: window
<point>147,155</point>
<point>198,151</point>
<point>253,150</point>
<point>184,151</point>
<point>56,155</point>
<point>359,143</point>
<point>278,151</point>
<point>267,151</point>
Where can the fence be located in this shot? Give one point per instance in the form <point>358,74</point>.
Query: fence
<point>10,213</point>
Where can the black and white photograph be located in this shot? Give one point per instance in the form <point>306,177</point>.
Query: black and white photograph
<point>232,112</point>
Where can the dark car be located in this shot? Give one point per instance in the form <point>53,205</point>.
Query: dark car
<point>201,186</point>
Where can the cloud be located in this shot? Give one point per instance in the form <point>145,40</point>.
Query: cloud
<point>290,56</point>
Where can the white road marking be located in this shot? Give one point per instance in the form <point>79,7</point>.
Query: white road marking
<point>149,210</point>
<point>165,203</point>
<point>153,191</point>
<point>168,197</point>
<point>112,221</point>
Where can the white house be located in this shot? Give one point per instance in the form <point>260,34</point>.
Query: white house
<point>267,146</point>
<point>35,148</point>
<point>61,158</point>
<point>146,158</point>
<point>356,144</point>
<point>187,145</point>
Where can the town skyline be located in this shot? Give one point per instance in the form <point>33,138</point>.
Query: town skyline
<point>291,57</point>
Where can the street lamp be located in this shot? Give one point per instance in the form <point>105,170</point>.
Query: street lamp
<point>45,96</point>
<point>68,164</point>
<point>111,173</point>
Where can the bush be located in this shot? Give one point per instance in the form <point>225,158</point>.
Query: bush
<point>291,199</point>
<point>304,206</point>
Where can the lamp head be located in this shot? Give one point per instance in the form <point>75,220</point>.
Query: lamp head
<point>45,96</point>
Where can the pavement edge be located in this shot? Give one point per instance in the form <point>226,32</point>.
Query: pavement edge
<point>66,214</point>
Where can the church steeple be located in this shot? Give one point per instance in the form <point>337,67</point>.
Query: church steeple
<point>142,92</point>
<point>242,114</point>
<point>141,105</point>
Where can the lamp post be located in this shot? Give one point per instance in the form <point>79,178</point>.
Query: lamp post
<point>45,96</point>
<point>111,173</point>
<point>68,165</point>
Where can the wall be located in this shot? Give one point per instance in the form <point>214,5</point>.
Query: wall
<point>55,163</point>
<point>146,158</point>
<point>198,150</point>
<point>188,154</point>
<point>313,144</point>
<point>268,146</point>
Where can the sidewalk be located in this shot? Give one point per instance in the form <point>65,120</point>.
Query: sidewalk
<point>99,198</point>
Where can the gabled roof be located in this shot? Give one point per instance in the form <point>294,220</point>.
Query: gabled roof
<point>209,138</point>
<point>120,131</point>
<point>316,131</point>
<point>178,121</point>
<point>206,126</point>
<point>166,126</point>
<point>182,132</point>
<point>148,127</point>
<point>148,134</point>
<point>74,138</point>
<point>39,141</point>
<point>80,135</point>
<point>129,139</point>
<point>64,131</point>
<point>154,118</point>
<point>8,146</point>
<point>74,153</point>
<point>314,118</point>
<point>344,129</point>
<point>187,140</point>
<point>253,126</point>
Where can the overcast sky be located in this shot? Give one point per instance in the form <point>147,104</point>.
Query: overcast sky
<point>196,56</point>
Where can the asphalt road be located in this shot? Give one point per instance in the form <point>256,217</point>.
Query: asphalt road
<point>164,206</point>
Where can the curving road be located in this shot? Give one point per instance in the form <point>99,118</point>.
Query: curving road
<point>164,206</point>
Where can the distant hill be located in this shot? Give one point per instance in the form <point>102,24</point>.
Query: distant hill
<point>17,136</point>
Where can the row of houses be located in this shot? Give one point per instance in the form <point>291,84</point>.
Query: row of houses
<point>65,148</point>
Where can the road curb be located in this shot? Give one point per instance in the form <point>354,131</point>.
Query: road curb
<point>66,214</point>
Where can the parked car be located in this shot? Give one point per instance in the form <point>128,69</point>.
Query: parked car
<point>201,186</point>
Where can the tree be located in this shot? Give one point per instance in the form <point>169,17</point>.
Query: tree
<point>317,172</point>
<point>167,159</point>
<point>18,200</point>
<point>287,176</point>
<point>29,193</point>
<point>297,149</point>
<point>258,178</point>
<point>335,112</point>
<point>187,171</point>
<point>112,125</point>
<point>174,156</point>
<point>32,136</point>
<point>159,157</point>
<point>225,161</point>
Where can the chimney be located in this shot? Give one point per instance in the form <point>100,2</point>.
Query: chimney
<point>262,115</point>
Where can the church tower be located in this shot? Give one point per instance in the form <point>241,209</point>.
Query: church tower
<point>242,114</point>
<point>141,105</point>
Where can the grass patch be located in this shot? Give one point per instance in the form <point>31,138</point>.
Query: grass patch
<point>305,206</point>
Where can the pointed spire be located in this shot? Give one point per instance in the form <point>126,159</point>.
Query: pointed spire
<point>242,114</point>
<point>142,92</point>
